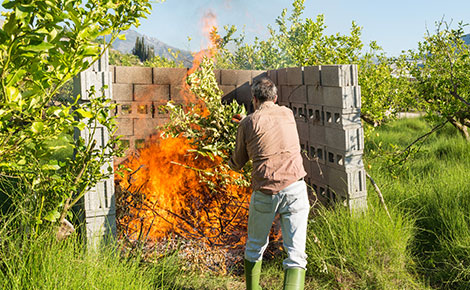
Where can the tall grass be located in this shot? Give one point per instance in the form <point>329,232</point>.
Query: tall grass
<point>45,263</point>
<point>363,250</point>
<point>434,189</point>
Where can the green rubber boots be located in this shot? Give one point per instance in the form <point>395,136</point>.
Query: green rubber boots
<point>294,279</point>
<point>252,275</point>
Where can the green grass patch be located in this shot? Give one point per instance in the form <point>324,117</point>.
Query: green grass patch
<point>434,189</point>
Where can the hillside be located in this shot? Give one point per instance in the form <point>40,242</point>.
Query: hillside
<point>160,48</point>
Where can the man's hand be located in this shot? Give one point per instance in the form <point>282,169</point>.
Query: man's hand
<point>237,118</point>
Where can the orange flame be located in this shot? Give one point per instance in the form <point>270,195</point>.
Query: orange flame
<point>166,195</point>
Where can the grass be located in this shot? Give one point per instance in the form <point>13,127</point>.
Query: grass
<point>433,188</point>
<point>426,245</point>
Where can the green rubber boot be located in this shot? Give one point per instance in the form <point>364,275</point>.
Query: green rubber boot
<point>252,275</point>
<point>294,279</point>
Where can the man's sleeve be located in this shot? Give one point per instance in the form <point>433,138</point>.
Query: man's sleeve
<point>239,155</point>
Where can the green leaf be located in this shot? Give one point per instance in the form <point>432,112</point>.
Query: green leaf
<point>121,36</point>
<point>84,114</point>
<point>44,46</point>
<point>52,216</point>
<point>37,127</point>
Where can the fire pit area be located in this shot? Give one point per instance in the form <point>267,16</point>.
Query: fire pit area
<point>162,197</point>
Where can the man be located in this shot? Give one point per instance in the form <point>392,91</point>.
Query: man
<point>269,137</point>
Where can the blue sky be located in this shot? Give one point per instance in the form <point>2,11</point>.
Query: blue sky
<point>395,25</point>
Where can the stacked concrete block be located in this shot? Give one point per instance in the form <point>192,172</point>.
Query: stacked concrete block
<point>326,102</point>
<point>97,208</point>
<point>139,94</point>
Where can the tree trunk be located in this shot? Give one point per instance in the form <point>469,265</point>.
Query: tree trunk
<point>461,127</point>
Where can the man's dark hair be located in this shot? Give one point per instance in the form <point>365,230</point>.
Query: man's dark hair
<point>264,89</point>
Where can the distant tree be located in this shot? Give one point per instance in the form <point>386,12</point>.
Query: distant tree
<point>303,42</point>
<point>442,71</point>
<point>143,51</point>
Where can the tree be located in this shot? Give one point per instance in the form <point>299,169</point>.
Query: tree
<point>43,45</point>
<point>142,51</point>
<point>303,42</point>
<point>442,70</point>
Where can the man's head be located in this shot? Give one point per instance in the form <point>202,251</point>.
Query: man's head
<point>264,90</point>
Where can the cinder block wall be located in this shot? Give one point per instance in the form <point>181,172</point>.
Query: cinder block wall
<point>325,100</point>
<point>138,91</point>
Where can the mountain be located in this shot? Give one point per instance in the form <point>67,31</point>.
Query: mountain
<point>160,48</point>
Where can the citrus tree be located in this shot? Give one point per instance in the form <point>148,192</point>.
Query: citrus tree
<point>441,68</point>
<point>303,42</point>
<point>43,45</point>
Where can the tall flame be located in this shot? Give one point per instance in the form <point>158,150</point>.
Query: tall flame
<point>169,189</point>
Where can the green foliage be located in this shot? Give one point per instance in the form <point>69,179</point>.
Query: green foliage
<point>143,51</point>
<point>442,70</point>
<point>43,45</point>
<point>123,59</point>
<point>303,42</point>
<point>126,59</point>
<point>206,122</point>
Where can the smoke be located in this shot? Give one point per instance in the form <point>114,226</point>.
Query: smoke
<point>208,22</point>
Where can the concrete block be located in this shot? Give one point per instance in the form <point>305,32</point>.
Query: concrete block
<point>135,110</point>
<point>350,182</point>
<point>299,111</point>
<point>235,77</point>
<point>217,75</point>
<point>181,94</point>
<point>257,74</point>
<point>272,74</point>
<point>315,95</point>
<point>145,93</point>
<point>169,76</point>
<point>99,200</point>
<point>294,94</point>
<point>99,230</point>
<point>123,92</point>
<point>317,152</point>
<point>302,129</point>
<point>318,171</point>
<point>340,118</point>
<point>125,127</point>
<point>350,139</point>
<point>143,128</point>
<point>339,75</point>
<point>101,81</point>
<point>342,97</point>
<point>282,77</point>
<point>303,145</point>
<point>358,204</point>
<point>340,159</point>
<point>295,76</point>
<point>112,69</point>
<point>317,133</point>
<point>133,75</point>
<point>312,75</point>
<point>159,110</point>
<point>314,114</point>
<point>320,190</point>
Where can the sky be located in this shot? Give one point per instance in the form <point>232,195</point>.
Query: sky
<point>395,25</point>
